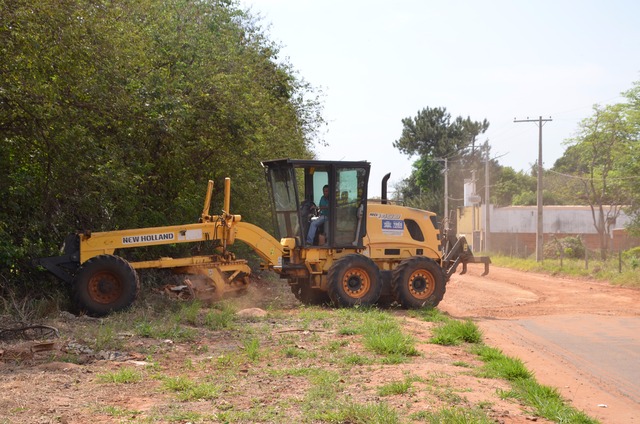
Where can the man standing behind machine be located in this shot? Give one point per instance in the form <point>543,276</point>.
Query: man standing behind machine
<point>323,216</point>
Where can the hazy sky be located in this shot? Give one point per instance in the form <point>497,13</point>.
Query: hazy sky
<point>378,62</point>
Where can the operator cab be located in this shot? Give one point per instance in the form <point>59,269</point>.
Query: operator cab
<point>296,189</point>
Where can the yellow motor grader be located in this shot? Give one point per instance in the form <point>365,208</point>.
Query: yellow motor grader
<point>365,252</point>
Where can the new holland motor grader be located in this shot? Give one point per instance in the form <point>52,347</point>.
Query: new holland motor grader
<point>366,252</point>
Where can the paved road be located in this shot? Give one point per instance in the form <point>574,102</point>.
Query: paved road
<point>579,336</point>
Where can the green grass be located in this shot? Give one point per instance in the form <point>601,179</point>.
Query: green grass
<point>545,401</point>
<point>455,415</point>
<point>220,319</point>
<point>368,413</point>
<point>395,387</point>
<point>188,313</point>
<point>357,359</point>
<point>599,270</point>
<point>326,372</point>
<point>296,352</point>
<point>498,365</point>
<point>188,390</point>
<point>252,349</point>
<point>107,338</point>
<point>383,335</point>
<point>323,403</point>
<point>163,329</point>
<point>115,411</point>
<point>429,315</point>
<point>454,332</point>
<point>122,376</point>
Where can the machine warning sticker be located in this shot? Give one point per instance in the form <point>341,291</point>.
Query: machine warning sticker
<point>393,227</point>
<point>147,238</point>
<point>190,235</point>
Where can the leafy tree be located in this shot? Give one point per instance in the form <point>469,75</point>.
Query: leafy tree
<point>596,160</point>
<point>433,135</point>
<point>631,166</point>
<point>509,185</point>
<point>115,114</point>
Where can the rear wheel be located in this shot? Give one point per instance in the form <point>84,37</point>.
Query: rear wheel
<point>310,296</point>
<point>354,280</point>
<point>418,282</point>
<point>105,284</point>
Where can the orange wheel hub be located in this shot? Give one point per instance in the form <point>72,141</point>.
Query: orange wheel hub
<point>356,283</point>
<point>421,284</point>
<point>104,287</point>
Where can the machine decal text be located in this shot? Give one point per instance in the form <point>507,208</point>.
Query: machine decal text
<point>147,238</point>
<point>394,227</point>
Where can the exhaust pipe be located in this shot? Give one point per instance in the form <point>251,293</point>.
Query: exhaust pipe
<point>384,188</point>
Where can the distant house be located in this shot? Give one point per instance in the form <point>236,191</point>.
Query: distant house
<point>513,228</point>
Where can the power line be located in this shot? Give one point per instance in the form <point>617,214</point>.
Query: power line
<point>636,177</point>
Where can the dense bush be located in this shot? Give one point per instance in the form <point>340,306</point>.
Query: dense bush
<point>568,247</point>
<point>632,256</point>
<point>116,114</point>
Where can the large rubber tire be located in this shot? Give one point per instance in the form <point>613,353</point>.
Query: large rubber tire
<point>105,284</point>
<point>310,296</point>
<point>418,282</point>
<point>354,280</point>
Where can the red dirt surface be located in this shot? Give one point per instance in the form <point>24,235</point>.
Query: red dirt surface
<point>580,336</point>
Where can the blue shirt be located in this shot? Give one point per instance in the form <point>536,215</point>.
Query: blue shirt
<point>324,206</point>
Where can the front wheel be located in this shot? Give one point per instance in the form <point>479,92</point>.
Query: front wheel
<point>418,282</point>
<point>105,284</point>
<point>354,280</point>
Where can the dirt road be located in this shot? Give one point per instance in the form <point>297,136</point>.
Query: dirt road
<point>579,336</point>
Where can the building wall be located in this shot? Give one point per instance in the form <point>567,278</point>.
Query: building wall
<point>623,241</point>
<point>513,228</point>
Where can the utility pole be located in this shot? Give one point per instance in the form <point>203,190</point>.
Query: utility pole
<point>474,203</point>
<point>486,197</point>
<point>539,240</point>
<point>446,193</point>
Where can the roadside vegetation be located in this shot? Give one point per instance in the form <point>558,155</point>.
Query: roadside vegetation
<point>186,361</point>
<point>622,269</point>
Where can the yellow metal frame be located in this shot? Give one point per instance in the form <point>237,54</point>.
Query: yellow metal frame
<point>226,228</point>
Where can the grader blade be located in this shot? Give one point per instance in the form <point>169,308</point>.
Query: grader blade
<point>476,260</point>
<point>212,282</point>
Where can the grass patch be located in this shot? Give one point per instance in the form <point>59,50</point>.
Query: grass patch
<point>383,335</point>
<point>355,359</point>
<point>454,333</point>
<point>380,413</point>
<point>188,313</point>
<point>498,365</point>
<point>188,390</point>
<point>255,414</point>
<point>220,319</point>
<point>106,338</point>
<point>252,349</point>
<point>115,411</point>
<point>396,387</point>
<point>296,352</point>
<point>185,417</point>
<point>429,315</point>
<point>163,329</point>
<point>545,401</point>
<point>454,415</point>
<point>122,376</point>
<point>599,270</point>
